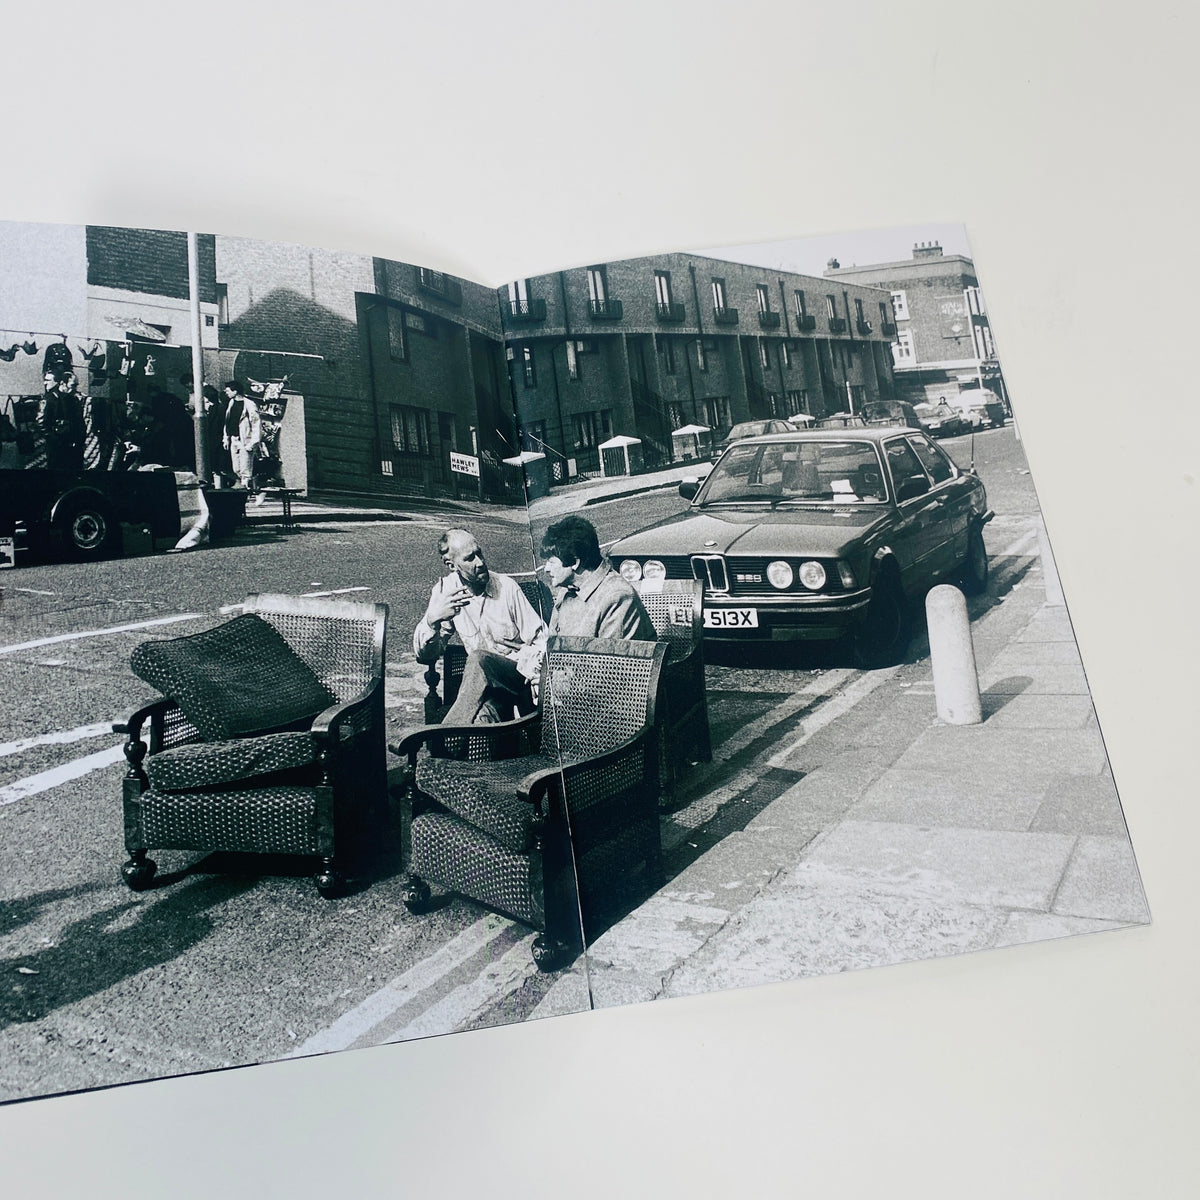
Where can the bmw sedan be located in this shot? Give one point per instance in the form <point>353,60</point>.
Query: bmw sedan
<point>820,534</point>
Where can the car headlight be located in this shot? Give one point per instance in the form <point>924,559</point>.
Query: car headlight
<point>780,574</point>
<point>631,570</point>
<point>812,575</point>
<point>653,569</point>
<point>846,572</point>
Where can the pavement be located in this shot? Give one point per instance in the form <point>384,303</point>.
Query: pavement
<point>881,834</point>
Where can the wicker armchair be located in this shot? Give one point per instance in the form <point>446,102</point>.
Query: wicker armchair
<point>675,608</point>
<point>270,738</point>
<point>553,815</point>
<point>454,659</point>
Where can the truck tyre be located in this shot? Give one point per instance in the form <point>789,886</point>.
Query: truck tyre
<point>88,528</point>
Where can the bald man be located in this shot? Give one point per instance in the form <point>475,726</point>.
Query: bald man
<point>495,623</point>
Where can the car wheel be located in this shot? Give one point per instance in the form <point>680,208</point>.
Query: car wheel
<point>882,637</point>
<point>88,529</point>
<point>974,575</point>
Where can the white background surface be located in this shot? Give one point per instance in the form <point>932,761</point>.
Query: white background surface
<point>517,138</point>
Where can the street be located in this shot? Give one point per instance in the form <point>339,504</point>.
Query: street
<point>229,960</point>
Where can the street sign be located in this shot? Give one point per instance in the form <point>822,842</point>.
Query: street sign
<point>464,464</point>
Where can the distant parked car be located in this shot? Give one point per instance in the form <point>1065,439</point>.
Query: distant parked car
<point>981,409</point>
<point>819,535</point>
<point>940,420</point>
<point>749,429</point>
<point>841,420</point>
<point>891,412</point>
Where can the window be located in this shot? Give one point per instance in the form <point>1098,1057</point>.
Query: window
<point>764,360</point>
<point>718,293</point>
<point>859,315</point>
<point>668,353</point>
<point>801,309</point>
<point>906,467</point>
<point>884,313</point>
<point>410,429</point>
<point>785,355</point>
<point>572,360</point>
<point>518,294</point>
<point>662,288</point>
<point>764,297</point>
<point>774,404</point>
<point>592,428</point>
<point>900,306</point>
<point>533,436</point>
<point>597,285</point>
<point>701,355</point>
<point>934,458</point>
<point>797,402</point>
<point>902,349</point>
<point>397,339</point>
<point>416,323</point>
<point>209,320</point>
<point>529,367</point>
<point>675,414</point>
<point>716,412</point>
<point>831,307</point>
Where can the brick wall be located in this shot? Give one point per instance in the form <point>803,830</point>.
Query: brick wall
<point>153,261</point>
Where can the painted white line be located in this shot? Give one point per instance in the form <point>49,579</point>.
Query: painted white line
<point>62,738</point>
<point>833,708</point>
<point>380,1005</point>
<point>90,633</point>
<point>497,980</point>
<point>335,592</point>
<point>1022,545</point>
<point>46,780</point>
<point>34,591</point>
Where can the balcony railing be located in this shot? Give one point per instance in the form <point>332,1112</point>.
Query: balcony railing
<point>887,328</point>
<point>863,327</point>
<point>806,324</point>
<point>670,311</point>
<point>527,310</point>
<point>837,325</point>
<point>605,310</point>
<point>439,285</point>
<point>725,316</point>
<point>768,320</point>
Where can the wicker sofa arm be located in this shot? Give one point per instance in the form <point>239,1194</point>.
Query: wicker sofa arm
<point>163,733</point>
<point>328,723</point>
<point>504,739</point>
<point>628,761</point>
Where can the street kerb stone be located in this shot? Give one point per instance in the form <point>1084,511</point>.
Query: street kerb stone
<point>968,866</point>
<point>1081,804</point>
<point>927,798</point>
<point>1102,881</point>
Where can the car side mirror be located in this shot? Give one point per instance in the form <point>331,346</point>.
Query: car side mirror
<point>688,488</point>
<point>913,486</point>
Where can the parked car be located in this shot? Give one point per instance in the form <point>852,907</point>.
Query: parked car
<point>748,429</point>
<point>981,409</point>
<point>891,412</point>
<point>821,534</point>
<point>940,420</point>
<point>841,420</point>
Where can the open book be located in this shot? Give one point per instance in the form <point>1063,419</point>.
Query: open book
<point>633,630</point>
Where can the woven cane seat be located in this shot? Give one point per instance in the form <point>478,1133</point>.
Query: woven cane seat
<point>484,795</point>
<point>212,764</point>
<point>237,679</point>
<point>277,820</point>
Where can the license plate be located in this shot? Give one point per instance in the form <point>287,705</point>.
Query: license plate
<point>731,618</point>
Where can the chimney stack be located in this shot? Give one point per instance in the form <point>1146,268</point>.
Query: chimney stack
<point>927,250</point>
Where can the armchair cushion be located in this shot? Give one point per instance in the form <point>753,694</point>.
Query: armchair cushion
<point>484,794</point>
<point>199,765</point>
<point>237,679</point>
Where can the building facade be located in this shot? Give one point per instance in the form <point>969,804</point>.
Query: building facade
<point>943,342</point>
<point>645,346</point>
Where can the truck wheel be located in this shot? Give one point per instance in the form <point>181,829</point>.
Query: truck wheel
<point>882,638</point>
<point>88,529</point>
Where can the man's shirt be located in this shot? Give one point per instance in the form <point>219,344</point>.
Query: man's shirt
<point>499,619</point>
<point>601,604</point>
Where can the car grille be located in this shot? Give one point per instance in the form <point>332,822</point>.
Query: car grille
<point>743,576</point>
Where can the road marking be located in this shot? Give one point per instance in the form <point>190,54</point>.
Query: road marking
<point>46,780</point>
<point>335,592</point>
<point>390,998</point>
<point>55,739</point>
<point>833,708</point>
<point>90,633</point>
<point>34,591</point>
<point>1022,545</point>
<point>470,1000</point>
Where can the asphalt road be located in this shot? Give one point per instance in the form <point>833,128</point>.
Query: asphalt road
<point>230,959</point>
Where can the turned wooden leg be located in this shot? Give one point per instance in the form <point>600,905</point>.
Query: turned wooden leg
<point>139,870</point>
<point>329,880</point>
<point>416,895</point>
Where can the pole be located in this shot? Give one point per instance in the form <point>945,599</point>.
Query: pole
<point>193,256</point>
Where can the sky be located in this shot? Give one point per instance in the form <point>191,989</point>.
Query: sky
<point>810,256</point>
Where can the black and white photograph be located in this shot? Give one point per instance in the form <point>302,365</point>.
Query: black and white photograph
<point>786,687</point>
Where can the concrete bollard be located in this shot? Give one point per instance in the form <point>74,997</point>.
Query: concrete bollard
<point>955,679</point>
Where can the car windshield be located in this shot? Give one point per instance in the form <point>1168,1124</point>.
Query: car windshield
<point>747,429</point>
<point>817,472</point>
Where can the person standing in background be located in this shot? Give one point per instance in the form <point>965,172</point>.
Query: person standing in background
<point>243,432</point>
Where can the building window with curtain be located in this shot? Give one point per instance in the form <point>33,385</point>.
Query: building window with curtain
<point>410,429</point>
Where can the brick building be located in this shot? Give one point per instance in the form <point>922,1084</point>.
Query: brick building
<point>943,342</point>
<point>644,346</point>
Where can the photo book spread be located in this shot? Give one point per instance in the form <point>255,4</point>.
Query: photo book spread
<point>388,654</point>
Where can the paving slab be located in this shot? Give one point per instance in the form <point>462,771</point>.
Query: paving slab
<point>1017,710</point>
<point>930,798</point>
<point>971,866</point>
<point>1048,680</point>
<point>977,751</point>
<point>1082,804</point>
<point>1102,881</point>
<point>1048,624</point>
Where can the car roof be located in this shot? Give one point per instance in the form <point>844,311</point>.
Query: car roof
<point>850,433</point>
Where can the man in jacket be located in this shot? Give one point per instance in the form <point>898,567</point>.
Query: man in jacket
<point>243,431</point>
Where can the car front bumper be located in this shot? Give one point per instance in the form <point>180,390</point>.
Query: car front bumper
<point>790,617</point>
